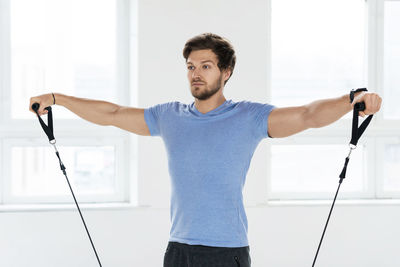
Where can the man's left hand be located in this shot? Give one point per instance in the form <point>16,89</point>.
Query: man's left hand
<point>372,103</point>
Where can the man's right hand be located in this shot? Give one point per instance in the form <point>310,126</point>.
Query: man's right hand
<point>43,100</point>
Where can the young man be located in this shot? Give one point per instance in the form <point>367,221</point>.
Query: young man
<point>210,143</point>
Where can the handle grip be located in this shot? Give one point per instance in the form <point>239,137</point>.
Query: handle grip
<point>360,106</point>
<point>35,106</point>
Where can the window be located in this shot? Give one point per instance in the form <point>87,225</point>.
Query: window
<point>35,172</point>
<point>391,167</point>
<point>315,168</point>
<point>75,48</point>
<point>316,55</point>
<point>391,58</point>
<point>388,168</point>
<point>55,45</point>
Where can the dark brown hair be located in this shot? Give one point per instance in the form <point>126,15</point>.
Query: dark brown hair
<point>219,45</point>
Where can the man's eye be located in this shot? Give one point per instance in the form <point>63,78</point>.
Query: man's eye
<point>206,67</point>
<point>190,67</point>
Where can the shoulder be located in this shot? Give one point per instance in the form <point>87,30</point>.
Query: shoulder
<point>165,106</point>
<point>255,106</point>
<point>173,108</point>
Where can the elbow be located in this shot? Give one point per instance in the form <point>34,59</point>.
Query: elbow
<point>110,118</point>
<point>309,118</point>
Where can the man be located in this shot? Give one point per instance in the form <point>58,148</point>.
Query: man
<point>210,143</point>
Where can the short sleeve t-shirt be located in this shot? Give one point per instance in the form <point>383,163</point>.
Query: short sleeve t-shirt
<point>208,159</point>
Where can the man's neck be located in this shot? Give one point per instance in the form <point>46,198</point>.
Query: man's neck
<point>213,102</point>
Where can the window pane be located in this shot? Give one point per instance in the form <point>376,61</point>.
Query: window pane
<point>66,46</point>
<point>318,49</point>
<point>391,60</point>
<point>35,171</point>
<point>315,168</point>
<point>391,168</point>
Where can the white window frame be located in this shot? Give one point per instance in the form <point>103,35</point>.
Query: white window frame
<point>117,143</point>
<point>380,131</point>
<point>368,193</point>
<point>381,142</point>
<point>69,132</point>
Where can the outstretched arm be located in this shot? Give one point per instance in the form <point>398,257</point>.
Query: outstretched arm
<point>98,112</point>
<point>283,122</point>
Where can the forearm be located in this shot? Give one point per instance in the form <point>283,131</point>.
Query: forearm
<point>323,112</point>
<point>95,111</point>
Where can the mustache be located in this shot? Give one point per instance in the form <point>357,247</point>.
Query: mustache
<point>197,81</point>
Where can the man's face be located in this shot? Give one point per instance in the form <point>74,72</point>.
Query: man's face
<point>204,76</point>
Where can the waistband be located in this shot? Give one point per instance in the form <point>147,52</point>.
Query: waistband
<point>204,248</point>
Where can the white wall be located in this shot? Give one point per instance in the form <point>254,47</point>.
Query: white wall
<point>280,236</point>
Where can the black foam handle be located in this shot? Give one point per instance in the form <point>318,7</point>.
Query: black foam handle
<point>360,106</point>
<point>35,106</point>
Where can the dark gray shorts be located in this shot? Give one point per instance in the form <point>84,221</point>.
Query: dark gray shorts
<point>184,255</point>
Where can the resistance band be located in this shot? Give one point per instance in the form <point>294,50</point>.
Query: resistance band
<point>48,129</point>
<point>355,136</point>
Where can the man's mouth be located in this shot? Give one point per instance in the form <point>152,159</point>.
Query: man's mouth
<point>197,83</point>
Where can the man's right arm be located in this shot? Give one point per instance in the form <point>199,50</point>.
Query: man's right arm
<point>98,112</point>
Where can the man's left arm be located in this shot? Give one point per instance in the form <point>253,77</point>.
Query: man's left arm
<point>283,122</point>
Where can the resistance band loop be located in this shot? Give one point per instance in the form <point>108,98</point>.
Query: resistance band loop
<point>48,129</point>
<point>356,133</point>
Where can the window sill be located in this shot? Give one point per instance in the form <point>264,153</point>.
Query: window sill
<point>340,202</point>
<point>68,207</point>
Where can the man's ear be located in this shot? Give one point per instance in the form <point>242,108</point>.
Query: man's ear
<point>227,74</point>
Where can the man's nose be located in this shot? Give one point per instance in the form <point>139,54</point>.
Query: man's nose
<point>195,74</point>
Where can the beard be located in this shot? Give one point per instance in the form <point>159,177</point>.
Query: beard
<point>208,91</point>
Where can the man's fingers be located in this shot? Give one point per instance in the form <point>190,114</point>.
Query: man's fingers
<point>41,111</point>
<point>43,101</point>
<point>372,103</point>
<point>379,103</point>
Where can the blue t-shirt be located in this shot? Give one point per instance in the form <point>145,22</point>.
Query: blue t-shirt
<point>208,159</point>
